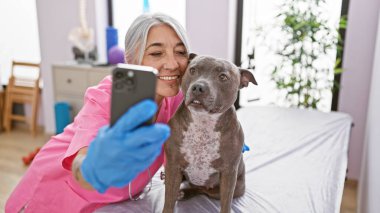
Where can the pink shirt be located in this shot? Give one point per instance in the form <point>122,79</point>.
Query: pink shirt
<point>48,185</point>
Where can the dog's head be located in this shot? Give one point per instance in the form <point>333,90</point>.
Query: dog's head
<point>210,85</point>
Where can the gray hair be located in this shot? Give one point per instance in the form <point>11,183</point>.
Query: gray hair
<point>135,39</point>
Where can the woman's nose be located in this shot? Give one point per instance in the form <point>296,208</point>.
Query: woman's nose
<point>171,62</point>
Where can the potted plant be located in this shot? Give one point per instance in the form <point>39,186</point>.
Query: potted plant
<point>307,42</point>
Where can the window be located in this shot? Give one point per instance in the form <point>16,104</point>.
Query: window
<point>19,38</point>
<point>258,15</point>
<point>125,11</point>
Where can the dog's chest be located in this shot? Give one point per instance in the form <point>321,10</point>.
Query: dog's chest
<point>200,147</point>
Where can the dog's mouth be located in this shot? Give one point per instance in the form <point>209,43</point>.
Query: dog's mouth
<point>197,103</point>
<point>200,105</point>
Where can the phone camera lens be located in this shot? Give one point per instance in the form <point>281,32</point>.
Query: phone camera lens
<point>119,75</point>
<point>119,85</point>
<point>129,82</point>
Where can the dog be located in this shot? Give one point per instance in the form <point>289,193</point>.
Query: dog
<point>205,146</point>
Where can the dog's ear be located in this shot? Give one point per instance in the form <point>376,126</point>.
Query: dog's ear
<point>245,77</point>
<point>192,56</point>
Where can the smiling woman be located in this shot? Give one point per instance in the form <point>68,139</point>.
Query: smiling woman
<point>164,47</point>
<point>92,164</point>
<point>166,52</point>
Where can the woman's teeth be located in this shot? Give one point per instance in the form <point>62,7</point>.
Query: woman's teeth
<point>168,78</point>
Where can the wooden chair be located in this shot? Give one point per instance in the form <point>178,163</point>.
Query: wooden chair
<point>22,91</point>
<point>2,100</point>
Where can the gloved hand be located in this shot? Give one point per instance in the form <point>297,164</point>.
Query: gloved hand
<point>119,153</point>
<point>245,148</point>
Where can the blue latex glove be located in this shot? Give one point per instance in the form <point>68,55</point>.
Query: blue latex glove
<point>245,148</point>
<point>119,153</point>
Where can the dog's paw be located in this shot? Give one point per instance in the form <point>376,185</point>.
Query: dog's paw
<point>187,193</point>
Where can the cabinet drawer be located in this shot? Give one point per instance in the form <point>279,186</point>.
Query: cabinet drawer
<point>94,77</point>
<point>70,81</point>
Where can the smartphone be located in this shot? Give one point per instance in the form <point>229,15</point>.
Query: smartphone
<point>130,85</point>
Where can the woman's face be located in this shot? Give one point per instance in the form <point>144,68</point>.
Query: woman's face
<point>165,51</point>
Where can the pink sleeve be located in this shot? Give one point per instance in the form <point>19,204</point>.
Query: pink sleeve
<point>177,100</point>
<point>93,115</point>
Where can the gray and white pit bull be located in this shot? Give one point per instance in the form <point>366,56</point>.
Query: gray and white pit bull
<point>205,146</point>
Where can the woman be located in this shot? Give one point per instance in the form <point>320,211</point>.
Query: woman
<point>91,164</point>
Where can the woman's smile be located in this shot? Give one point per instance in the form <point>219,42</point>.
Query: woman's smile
<point>168,77</point>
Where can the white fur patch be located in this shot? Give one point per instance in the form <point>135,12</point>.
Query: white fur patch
<point>200,147</point>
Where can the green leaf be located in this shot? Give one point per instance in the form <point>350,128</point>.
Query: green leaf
<point>337,62</point>
<point>338,71</point>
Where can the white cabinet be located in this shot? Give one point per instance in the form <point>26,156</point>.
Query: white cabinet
<point>71,81</point>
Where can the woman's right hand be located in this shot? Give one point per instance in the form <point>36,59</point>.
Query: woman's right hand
<point>119,153</point>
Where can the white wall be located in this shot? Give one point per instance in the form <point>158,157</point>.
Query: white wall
<point>19,40</point>
<point>358,62</point>
<point>55,20</point>
<point>211,27</point>
<point>19,37</point>
<point>369,187</point>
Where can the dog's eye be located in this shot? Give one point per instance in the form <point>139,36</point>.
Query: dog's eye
<point>223,77</point>
<point>192,70</point>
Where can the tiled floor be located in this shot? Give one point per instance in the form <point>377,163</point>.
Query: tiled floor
<point>18,143</point>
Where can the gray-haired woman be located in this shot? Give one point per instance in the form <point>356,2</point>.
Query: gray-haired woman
<point>91,164</point>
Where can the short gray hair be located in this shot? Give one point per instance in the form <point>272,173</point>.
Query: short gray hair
<point>135,39</point>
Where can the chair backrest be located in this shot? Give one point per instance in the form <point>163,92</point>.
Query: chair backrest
<point>26,80</point>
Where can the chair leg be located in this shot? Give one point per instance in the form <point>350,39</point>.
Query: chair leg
<point>34,113</point>
<point>7,113</point>
<point>2,104</point>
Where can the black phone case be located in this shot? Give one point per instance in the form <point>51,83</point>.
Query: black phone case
<point>130,86</point>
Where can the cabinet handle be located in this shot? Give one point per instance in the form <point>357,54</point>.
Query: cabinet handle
<point>68,80</point>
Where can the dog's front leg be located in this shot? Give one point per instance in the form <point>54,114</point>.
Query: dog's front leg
<point>173,179</point>
<point>227,188</point>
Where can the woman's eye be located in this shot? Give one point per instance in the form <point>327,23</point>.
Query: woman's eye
<point>156,54</point>
<point>223,77</point>
<point>182,53</point>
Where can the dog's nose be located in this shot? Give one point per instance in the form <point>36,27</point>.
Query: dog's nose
<point>198,89</point>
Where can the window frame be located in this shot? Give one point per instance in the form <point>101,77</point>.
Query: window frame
<point>238,49</point>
